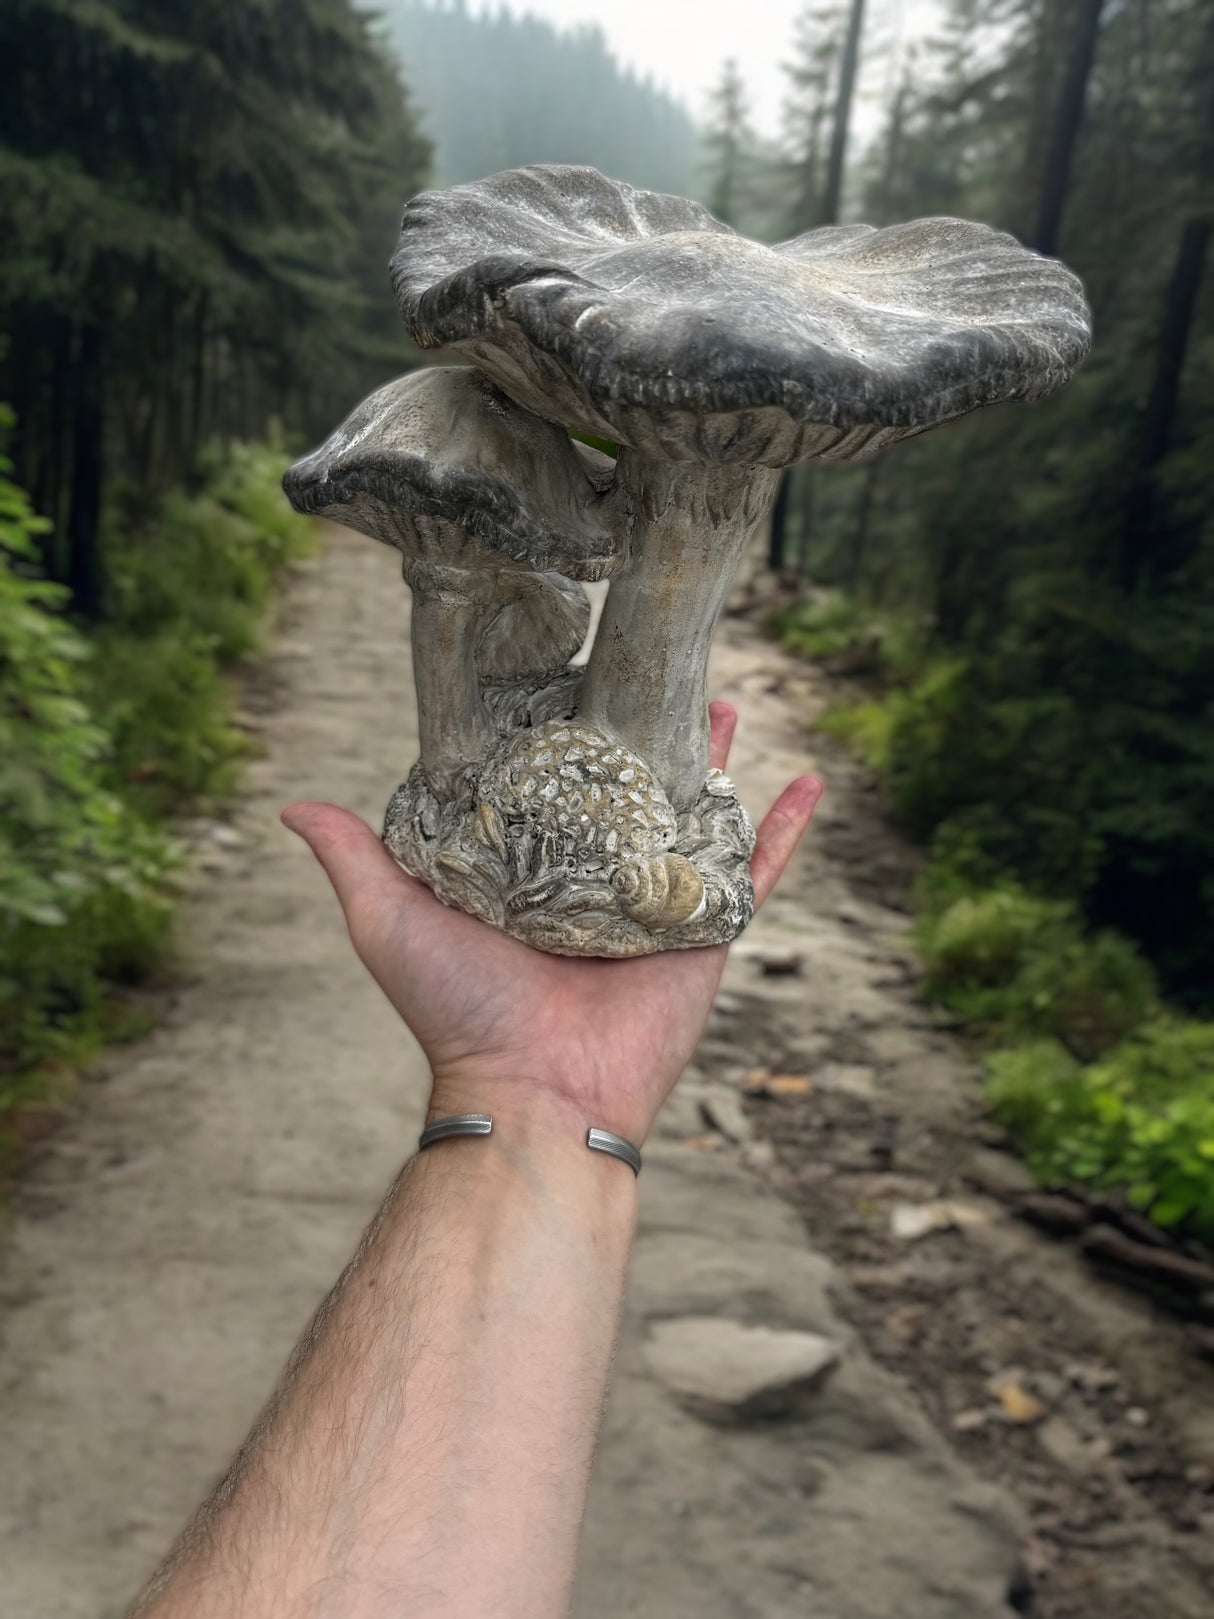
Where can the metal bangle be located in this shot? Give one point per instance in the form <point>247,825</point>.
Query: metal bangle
<point>605,1141</point>
<point>481,1124</point>
<point>459,1124</point>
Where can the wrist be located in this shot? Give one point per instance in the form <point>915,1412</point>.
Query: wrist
<point>541,1130</point>
<point>531,1107</point>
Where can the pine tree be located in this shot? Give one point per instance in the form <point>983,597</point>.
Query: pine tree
<point>836,157</point>
<point>726,138</point>
<point>502,89</point>
<point>191,194</point>
<point>1062,557</point>
<point>811,74</point>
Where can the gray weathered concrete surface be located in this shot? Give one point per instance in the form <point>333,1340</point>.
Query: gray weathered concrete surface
<point>172,1239</point>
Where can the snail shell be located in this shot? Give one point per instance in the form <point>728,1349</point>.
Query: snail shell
<point>491,829</point>
<point>661,892</point>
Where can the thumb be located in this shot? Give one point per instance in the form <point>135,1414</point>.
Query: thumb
<point>354,859</point>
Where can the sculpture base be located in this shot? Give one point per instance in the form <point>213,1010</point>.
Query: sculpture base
<point>563,839</point>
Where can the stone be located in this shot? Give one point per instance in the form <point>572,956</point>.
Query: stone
<point>998,1174</point>
<point>910,1221</point>
<point>780,963</point>
<point>571,804</point>
<point>847,1079</point>
<point>725,1371</point>
<point>1064,1444</point>
<point>722,1109</point>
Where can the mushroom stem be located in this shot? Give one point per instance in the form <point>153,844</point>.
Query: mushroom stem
<point>647,679</point>
<point>454,727</point>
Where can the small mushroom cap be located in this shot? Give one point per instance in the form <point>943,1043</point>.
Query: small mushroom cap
<point>639,317</point>
<point>445,444</point>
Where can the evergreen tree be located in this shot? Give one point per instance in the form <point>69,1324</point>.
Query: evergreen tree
<point>191,197</point>
<point>497,90</point>
<point>836,157</point>
<point>726,139</point>
<point>812,74</point>
<point>1063,556</point>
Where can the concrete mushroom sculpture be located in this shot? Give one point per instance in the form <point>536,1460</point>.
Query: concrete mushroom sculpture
<point>586,821</point>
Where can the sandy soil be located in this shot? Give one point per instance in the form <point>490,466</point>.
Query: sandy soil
<point>171,1239</point>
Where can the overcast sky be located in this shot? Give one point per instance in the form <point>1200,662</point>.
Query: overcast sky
<point>682,44</point>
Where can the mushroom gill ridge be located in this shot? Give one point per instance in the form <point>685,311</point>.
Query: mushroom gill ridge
<point>473,501</point>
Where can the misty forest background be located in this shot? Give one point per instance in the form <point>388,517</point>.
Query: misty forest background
<point>198,205</point>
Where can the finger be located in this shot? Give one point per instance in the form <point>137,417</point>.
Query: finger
<point>354,859</point>
<point>782,829</point>
<point>722,722</point>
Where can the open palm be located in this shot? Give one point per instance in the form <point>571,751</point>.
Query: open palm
<point>499,1020</point>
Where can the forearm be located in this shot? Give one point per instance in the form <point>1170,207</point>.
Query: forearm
<point>429,1448</point>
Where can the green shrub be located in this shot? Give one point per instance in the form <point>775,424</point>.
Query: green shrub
<point>1140,1120</point>
<point>1089,991</point>
<point>1016,965</point>
<point>187,597</point>
<point>168,707</point>
<point>102,736</point>
<point>848,636</point>
<point>906,718</point>
<point>867,728</point>
<point>80,872</point>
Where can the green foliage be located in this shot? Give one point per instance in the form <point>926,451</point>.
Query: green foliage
<point>1060,557</point>
<point>102,736</point>
<point>848,636</point>
<point>904,723</point>
<point>199,202</point>
<point>1140,1120</point>
<point>81,896</point>
<point>1014,965</point>
<point>189,588</point>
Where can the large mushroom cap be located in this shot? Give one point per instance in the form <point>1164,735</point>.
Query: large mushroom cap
<point>445,443</point>
<point>641,318</point>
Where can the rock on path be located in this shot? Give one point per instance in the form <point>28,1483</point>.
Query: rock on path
<point>172,1239</point>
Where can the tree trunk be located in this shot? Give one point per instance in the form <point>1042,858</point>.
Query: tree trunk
<point>805,519</point>
<point>1065,126</point>
<point>84,576</point>
<point>848,67</point>
<point>892,161</point>
<point>1159,417</point>
<point>864,513</point>
<point>777,545</point>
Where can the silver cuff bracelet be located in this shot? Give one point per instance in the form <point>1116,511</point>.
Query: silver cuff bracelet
<point>481,1124</point>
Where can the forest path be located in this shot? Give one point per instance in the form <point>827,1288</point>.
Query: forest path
<point>171,1240</point>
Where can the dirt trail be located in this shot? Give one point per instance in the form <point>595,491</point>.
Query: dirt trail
<point>171,1240</point>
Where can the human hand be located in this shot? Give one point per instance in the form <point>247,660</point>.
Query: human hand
<point>506,1027</point>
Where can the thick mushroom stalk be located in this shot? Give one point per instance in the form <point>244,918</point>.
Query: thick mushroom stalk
<point>451,607</point>
<point>485,502</point>
<point>647,679</point>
